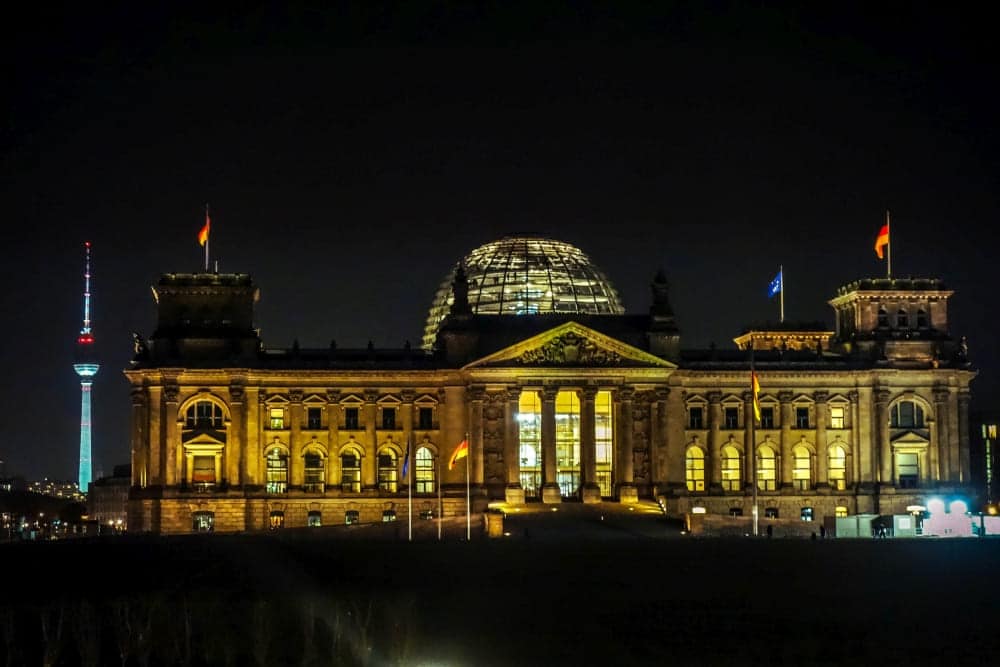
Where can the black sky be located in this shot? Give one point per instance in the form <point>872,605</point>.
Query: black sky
<point>352,155</point>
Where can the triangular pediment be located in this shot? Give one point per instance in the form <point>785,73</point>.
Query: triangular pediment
<point>571,344</point>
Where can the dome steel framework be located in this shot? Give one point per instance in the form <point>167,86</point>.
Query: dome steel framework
<point>523,276</point>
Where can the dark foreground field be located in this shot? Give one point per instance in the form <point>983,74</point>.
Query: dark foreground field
<point>566,588</point>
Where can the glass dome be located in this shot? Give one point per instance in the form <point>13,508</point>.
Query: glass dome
<point>527,275</point>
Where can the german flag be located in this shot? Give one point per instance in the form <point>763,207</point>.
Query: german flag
<point>460,452</point>
<point>882,240</point>
<point>755,386</point>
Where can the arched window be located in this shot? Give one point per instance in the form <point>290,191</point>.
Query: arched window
<point>902,319</point>
<point>203,414</point>
<point>387,474</point>
<point>906,414</point>
<point>801,473</point>
<point>350,471</point>
<point>277,471</point>
<point>694,464</point>
<point>314,472</point>
<point>837,467</point>
<point>767,469</point>
<point>921,319</point>
<point>730,468</point>
<point>883,317</point>
<point>424,471</point>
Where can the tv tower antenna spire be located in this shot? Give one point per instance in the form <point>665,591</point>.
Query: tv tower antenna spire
<point>86,367</point>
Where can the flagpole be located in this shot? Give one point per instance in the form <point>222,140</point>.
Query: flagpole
<point>753,441</point>
<point>409,487</point>
<point>468,494</point>
<point>439,496</point>
<point>781,277</point>
<point>888,246</point>
<point>207,240</point>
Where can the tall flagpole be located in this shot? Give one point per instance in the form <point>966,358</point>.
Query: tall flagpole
<point>888,246</point>
<point>439,496</point>
<point>207,238</point>
<point>753,441</point>
<point>468,494</point>
<point>409,486</point>
<point>781,277</point>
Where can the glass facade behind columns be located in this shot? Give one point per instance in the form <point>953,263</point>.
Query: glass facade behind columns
<point>568,443</point>
<point>525,276</point>
<point>529,421</point>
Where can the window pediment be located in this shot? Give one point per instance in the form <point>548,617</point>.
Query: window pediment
<point>426,400</point>
<point>389,401</point>
<point>314,400</point>
<point>276,400</point>
<point>352,401</point>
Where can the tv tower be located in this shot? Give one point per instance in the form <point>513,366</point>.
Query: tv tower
<point>86,367</point>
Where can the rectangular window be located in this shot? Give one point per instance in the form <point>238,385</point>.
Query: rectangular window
<point>313,479</point>
<point>277,418</point>
<point>840,512</point>
<point>732,418</point>
<point>389,418</point>
<point>767,417</point>
<point>314,519</point>
<point>352,517</point>
<point>907,470</point>
<point>351,421</point>
<point>203,471</point>
<point>836,416</point>
<point>425,419</point>
<point>314,418</point>
<point>801,417</point>
<point>695,418</point>
<point>806,514</point>
<point>770,512</point>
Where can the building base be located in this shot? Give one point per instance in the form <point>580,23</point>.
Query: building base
<point>628,494</point>
<point>591,493</point>
<point>514,495</point>
<point>551,495</point>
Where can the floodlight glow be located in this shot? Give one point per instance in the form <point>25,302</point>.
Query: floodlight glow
<point>915,508</point>
<point>935,506</point>
<point>958,507</point>
<point>697,510</point>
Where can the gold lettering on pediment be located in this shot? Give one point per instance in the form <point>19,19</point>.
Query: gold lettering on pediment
<point>570,348</point>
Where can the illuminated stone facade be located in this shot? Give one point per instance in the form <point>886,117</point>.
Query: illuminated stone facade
<point>230,435</point>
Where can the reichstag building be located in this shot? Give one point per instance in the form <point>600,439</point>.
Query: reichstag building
<point>563,396</point>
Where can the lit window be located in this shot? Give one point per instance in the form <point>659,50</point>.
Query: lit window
<point>388,515</point>
<point>203,522</point>
<point>203,471</point>
<point>800,473</point>
<point>350,472</point>
<point>806,514</point>
<point>277,418</point>
<point>352,517</point>
<point>837,466</point>
<point>529,426</point>
<point>907,470</point>
<point>770,512</point>
<point>603,442</point>
<point>426,514</point>
<point>424,471</point>
<point>314,519</point>
<point>836,416</point>
<point>767,471</point>
<point>387,474</point>
<point>730,468</point>
<point>568,443</point>
<point>277,471</point>
<point>314,477</point>
<point>695,466</point>
<point>276,520</point>
<point>732,417</point>
<point>840,511</point>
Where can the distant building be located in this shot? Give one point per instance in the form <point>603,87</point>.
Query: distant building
<point>561,396</point>
<point>56,489</point>
<point>986,458</point>
<point>107,502</point>
<point>15,483</point>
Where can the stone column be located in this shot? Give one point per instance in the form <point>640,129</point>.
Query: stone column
<point>550,487</point>
<point>939,431</point>
<point>369,460</point>
<point>953,446</point>
<point>140,442</point>
<point>881,433</point>
<point>254,458</point>
<point>172,435</point>
<point>235,446</point>
<point>964,458</point>
<point>409,447</point>
<point>627,493</point>
<point>822,457</point>
<point>333,438</point>
<point>589,489</point>
<point>855,468</point>
<point>785,461</point>
<point>714,444</point>
<point>296,464</point>
<point>660,447</point>
<point>749,447</point>
<point>157,438</point>
<point>477,453</point>
<point>514,494</point>
<point>676,443</point>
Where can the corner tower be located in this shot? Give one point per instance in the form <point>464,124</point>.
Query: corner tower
<point>86,367</point>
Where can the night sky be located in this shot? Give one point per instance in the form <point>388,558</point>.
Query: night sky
<point>351,156</point>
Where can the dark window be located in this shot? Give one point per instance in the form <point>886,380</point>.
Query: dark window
<point>694,418</point>
<point>203,414</point>
<point>806,514</point>
<point>883,317</point>
<point>732,418</point>
<point>426,514</point>
<point>906,414</point>
<point>921,319</point>
<point>387,474</point>
<point>801,417</point>
<point>350,472</point>
<point>767,417</point>
<point>314,418</point>
<point>902,319</point>
<point>313,472</point>
<point>351,421</point>
<point>770,512</point>
<point>425,419</point>
<point>389,418</point>
<point>735,511</point>
<point>352,516</point>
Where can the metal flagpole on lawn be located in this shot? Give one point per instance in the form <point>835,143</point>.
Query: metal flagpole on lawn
<point>468,494</point>
<point>753,438</point>
<point>888,248</point>
<point>781,292</point>
<point>439,496</point>
<point>208,235</point>
<point>409,487</point>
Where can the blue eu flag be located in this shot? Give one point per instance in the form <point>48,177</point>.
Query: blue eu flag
<point>775,286</point>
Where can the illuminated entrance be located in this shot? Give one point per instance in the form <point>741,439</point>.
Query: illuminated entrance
<point>529,423</point>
